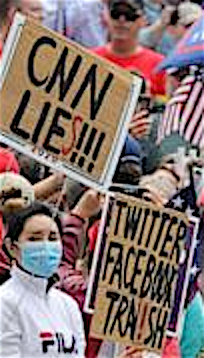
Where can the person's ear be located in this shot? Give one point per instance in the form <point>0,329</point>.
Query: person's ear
<point>10,248</point>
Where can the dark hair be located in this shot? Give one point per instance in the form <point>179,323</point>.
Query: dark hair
<point>15,222</point>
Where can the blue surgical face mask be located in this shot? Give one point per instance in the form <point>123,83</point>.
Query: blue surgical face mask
<point>41,258</point>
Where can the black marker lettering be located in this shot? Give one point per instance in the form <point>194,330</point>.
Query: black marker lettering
<point>60,71</point>
<point>18,116</point>
<point>40,42</point>
<point>55,129</point>
<point>114,297</point>
<point>90,79</point>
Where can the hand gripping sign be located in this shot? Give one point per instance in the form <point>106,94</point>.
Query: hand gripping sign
<point>62,104</point>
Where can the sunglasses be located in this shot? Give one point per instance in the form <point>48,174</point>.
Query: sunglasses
<point>129,14</point>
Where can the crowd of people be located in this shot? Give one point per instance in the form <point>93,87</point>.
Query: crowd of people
<point>49,223</point>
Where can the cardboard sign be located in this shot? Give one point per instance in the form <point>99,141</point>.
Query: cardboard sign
<point>138,273</point>
<point>63,103</point>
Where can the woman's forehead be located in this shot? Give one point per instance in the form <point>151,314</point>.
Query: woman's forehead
<point>40,222</point>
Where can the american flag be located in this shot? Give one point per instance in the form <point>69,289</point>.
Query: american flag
<point>184,113</point>
<point>185,201</point>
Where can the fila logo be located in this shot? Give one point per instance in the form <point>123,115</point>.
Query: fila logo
<point>58,340</point>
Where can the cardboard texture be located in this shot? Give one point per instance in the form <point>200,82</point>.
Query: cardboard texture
<point>64,102</point>
<point>139,273</point>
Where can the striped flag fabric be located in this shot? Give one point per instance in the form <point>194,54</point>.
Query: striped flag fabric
<point>185,201</point>
<point>184,113</point>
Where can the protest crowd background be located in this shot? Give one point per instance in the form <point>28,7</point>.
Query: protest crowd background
<point>162,162</point>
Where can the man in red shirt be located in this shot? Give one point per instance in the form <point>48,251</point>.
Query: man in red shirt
<point>124,20</point>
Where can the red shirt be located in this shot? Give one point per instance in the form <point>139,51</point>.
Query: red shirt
<point>8,161</point>
<point>171,348</point>
<point>144,61</point>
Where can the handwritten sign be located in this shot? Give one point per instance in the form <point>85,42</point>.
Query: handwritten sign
<point>62,102</point>
<point>138,273</point>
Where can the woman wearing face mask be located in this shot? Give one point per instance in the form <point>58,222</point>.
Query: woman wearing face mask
<point>37,320</point>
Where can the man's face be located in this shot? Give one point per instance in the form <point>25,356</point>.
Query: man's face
<point>123,22</point>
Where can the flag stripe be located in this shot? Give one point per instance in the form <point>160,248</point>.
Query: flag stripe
<point>201,139</point>
<point>189,107</point>
<point>180,98</point>
<point>184,113</point>
<point>164,121</point>
<point>195,121</point>
<point>177,118</point>
<point>170,121</point>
